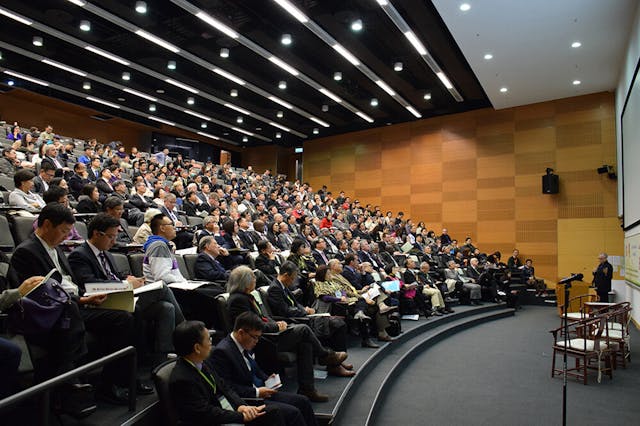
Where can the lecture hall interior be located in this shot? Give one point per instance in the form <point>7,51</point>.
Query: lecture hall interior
<point>495,142</point>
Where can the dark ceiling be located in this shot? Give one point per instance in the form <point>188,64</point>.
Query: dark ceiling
<point>379,45</point>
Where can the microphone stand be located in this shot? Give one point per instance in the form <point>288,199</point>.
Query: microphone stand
<point>567,286</point>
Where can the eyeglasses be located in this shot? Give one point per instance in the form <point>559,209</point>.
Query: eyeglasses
<point>253,336</point>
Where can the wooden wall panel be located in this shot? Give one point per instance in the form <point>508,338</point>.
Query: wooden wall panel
<point>479,174</point>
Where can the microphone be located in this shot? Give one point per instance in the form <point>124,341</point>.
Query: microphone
<point>573,277</point>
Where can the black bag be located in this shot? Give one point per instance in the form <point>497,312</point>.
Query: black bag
<point>42,310</point>
<point>395,327</point>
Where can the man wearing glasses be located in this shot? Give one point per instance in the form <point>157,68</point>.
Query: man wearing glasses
<point>233,360</point>
<point>92,262</point>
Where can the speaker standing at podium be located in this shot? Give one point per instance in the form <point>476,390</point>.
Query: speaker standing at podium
<point>602,275</point>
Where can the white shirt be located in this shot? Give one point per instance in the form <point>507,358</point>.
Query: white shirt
<point>246,361</point>
<point>67,282</point>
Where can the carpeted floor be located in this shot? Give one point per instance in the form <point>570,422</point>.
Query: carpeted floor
<point>499,374</point>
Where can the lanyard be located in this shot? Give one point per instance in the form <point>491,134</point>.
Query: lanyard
<point>207,378</point>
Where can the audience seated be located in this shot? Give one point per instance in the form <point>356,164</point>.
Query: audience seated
<point>22,196</point>
<point>199,395</point>
<point>39,255</point>
<point>233,360</point>
<point>298,338</point>
<point>333,331</point>
<point>338,251</point>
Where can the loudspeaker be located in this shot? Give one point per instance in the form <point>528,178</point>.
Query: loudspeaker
<point>550,184</point>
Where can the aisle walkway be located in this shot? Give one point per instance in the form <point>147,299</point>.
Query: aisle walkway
<point>499,374</point>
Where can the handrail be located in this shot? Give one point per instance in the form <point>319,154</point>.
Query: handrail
<point>46,386</point>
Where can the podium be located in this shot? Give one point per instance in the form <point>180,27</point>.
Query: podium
<point>578,288</point>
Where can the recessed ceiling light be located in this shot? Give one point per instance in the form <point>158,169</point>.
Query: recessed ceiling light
<point>337,76</point>
<point>121,99</point>
<point>258,128</point>
<point>37,41</point>
<point>356,25</point>
<point>576,82</point>
<point>141,7</point>
<point>576,44</point>
<point>191,100</point>
<point>282,85</point>
<point>11,82</point>
<point>398,66</point>
<point>427,96</point>
<point>245,139</point>
<point>161,91</point>
<point>465,6</point>
<point>233,93</point>
<point>85,25</point>
<point>488,56</point>
<point>152,107</point>
<point>280,114</point>
<point>126,76</point>
<point>203,125</point>
<point>325,108</point>
<point>86,85</point>
<point>504,90</point>
<point>171,65</point>
<point>224,52</point>
<point>278,135</point>
<point>374,102</point>
<point>316,130</point>
<point>286,39</point>
<point>239,119</point>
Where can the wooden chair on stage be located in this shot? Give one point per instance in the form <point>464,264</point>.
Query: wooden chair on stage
<point>617,329</point>
<point>587,341</point>
<point>581,304</point>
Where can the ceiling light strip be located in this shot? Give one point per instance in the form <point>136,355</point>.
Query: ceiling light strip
<point>102,101</point>
<point>15,16</point>
<point>64,67</point>
<point>405,29</point>
<point>329,40</point>
<point>157,40</point>
<point>26,77</point>
<point>161,120</point>
<point>106,55</point>
<point>197,114</point>
<point>140,94</point>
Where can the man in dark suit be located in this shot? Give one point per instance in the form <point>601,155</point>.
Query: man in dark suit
<point>319,246</point>
<point>51,157</point>
<point>94,169</point>
<point>293,337</point>
<point>190,205</point>
<point>114,207</point>
<point>199,395</point>
<point>284,304</point>
<point>103,184</point>
<point>41,182</point>
<point>139,200</point>
<point>602,275</point>
<point>267,261</point>
<point>40,254</point>
<point>92,262</point>
<point>207,266</point>
<point>78,180</point>
<point>233,360</point>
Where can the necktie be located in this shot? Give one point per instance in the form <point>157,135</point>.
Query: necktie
<point>105,266</point>
<point>253,366</point>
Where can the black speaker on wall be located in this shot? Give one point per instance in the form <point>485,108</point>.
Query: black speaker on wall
<point>550,184</point>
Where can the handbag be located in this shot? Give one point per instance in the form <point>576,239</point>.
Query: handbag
<point>41,310</point>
